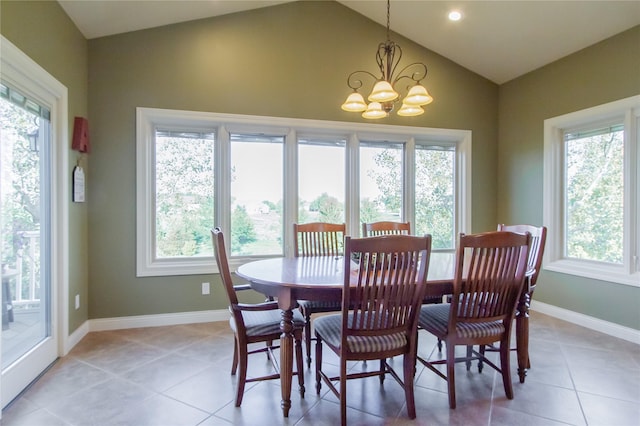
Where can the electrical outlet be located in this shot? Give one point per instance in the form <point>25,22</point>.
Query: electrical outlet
<point>77,301</point>
<point>206,288</point>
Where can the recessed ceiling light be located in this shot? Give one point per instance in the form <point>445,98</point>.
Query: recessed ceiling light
<point>455,15</point>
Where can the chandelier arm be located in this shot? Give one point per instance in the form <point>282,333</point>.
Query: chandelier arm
<point>395,61</point>
<point>387,60</point>
<point>416,76</point>
<point>356,83</point>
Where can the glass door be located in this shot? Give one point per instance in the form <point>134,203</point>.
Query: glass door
<point>27,344</point>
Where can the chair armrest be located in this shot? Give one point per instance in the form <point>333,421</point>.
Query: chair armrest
<point>266,306</point>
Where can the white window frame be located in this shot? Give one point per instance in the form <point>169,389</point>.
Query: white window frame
<point>148,119</point>
<point>626,111</point>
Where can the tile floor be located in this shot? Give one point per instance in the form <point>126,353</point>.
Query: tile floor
<point>179,375</point>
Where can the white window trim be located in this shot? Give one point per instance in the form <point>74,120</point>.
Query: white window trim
<point>628,111</point>
<point>148,118</point>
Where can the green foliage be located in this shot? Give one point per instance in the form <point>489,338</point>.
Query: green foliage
<point>184,196</point>
<point>434,192</point>
<point>329,208</point>
<point>242,229</point>
<point>271,205</point>
<point>21,201</point>
<point>595,197</point>
<point>184,199</point>
<point>388,179</point>
<point>369,211</point>
<point>434,196</point>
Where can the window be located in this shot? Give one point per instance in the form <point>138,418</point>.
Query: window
<point>254,176</point>
<point>321,180</point>
<point>591,192</point>
<point>256,194</point>
<point>184,183</point>
<point>435,194</point>
<point>381,181</point>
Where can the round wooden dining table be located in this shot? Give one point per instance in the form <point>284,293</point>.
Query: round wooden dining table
<point>319,278</point>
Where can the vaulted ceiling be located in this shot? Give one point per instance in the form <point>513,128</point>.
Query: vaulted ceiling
<point>499,40</point>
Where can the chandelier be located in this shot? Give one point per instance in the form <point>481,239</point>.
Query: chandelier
<point>384,95</point>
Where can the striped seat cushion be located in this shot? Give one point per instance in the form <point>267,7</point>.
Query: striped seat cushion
<point>435,319</point>
<point>260,323</point>
<point>329,328</point>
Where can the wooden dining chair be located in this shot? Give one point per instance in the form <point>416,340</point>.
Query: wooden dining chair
<point>317,239</point>
<point>254,323</point>
<point>381,302</point>
<point>489,277</point>
<point>534,264</point>
<point>395,228</point>
<point>373,229</point>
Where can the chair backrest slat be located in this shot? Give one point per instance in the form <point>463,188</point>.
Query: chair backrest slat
<point>536,249</point>
<point>384,292</point>
<point>319,239</point>
<point>489,275</point>
<point>375,229</point>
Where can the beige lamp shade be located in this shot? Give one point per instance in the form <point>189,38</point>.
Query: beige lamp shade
<point>418,95</point>
<point>410,110</point>
<point>354,103</point>
<point>374,111</point>
<point>383,92</point>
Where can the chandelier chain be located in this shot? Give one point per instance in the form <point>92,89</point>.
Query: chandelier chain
<point>388,20</point>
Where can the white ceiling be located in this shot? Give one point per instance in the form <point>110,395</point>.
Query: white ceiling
<point>499,40</point>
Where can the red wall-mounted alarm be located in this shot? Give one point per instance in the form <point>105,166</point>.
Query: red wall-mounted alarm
<point>80,140</point>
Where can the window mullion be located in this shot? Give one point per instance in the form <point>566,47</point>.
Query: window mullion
<point>352,186</point>
<point>222,171</point>
<point>409,182</point>
<point>632,186</point>
<point>290,202</point>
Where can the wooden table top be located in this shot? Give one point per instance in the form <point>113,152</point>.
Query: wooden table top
<point>324,274</point>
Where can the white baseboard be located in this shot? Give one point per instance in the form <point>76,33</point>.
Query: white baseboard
<point>75,337</point>
<point>606,327</point>
<point>120,323</point>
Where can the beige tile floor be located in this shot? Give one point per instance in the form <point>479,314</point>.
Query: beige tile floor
<point>179,375</point>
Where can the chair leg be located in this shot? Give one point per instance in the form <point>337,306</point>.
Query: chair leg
<point>482,352</point>
<point>505,368</point>
<point>234,363</point>
<point>451,378</point>
<point>268,345</point>
<point>343,392</point>
<point>382,370</point>
<point>469,353</point>
<point>522,339</point>
<point>307,336</point>
<point>318,364</point>
<point>242,378</point>
<point>409,365</point>
<point>300,364</point>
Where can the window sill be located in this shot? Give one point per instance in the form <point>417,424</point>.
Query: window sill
<point>595,270</point>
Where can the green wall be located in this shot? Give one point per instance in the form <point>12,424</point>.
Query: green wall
<point>604,72</point>
<point>290,60</point>
<point>43,31</point>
